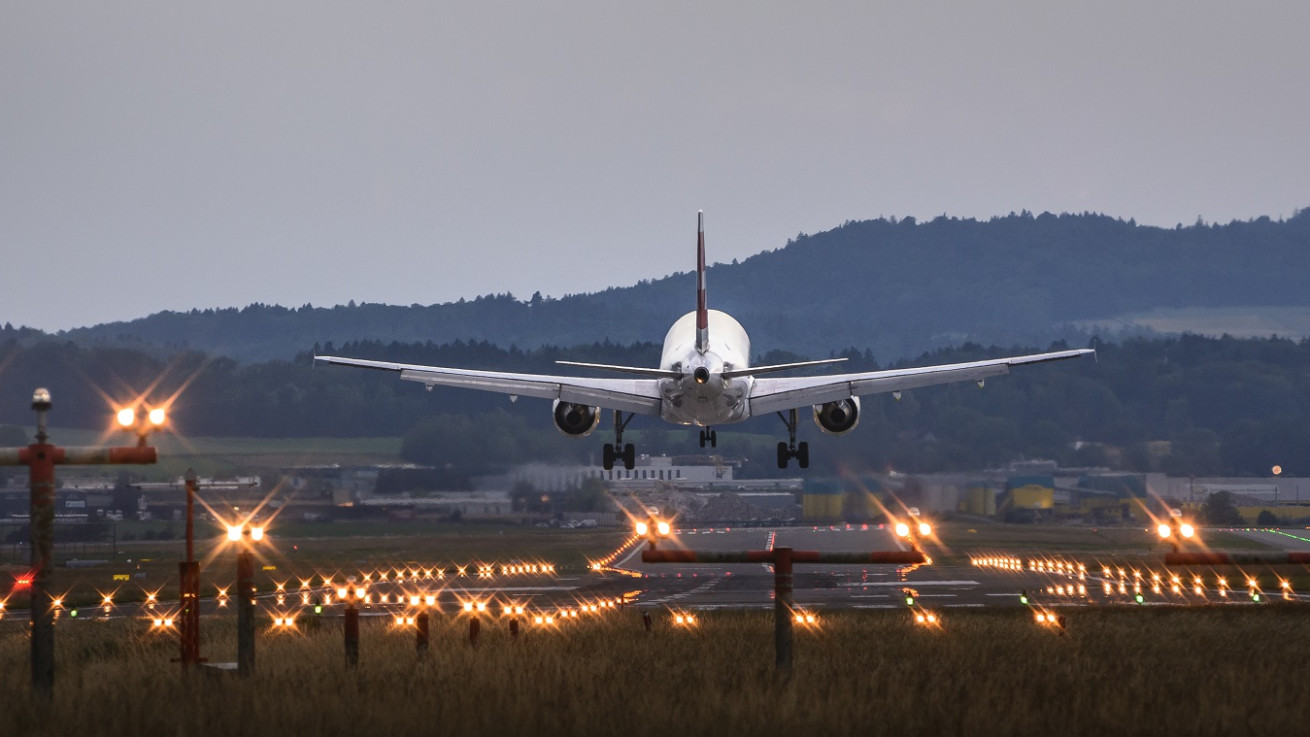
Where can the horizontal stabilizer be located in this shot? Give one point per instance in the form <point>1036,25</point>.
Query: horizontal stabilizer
<point>639,370</point>
<point>756,370</point>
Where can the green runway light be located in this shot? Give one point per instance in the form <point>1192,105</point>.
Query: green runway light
<point>318,608</point>
<point>1140,598</point>
<point>1023,597</point>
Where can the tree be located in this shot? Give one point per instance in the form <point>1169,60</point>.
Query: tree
<point>1218,509</point>
<point>1266,518</point>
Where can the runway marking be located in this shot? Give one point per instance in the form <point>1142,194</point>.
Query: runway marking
<point>902,584</point>
<point>698,590</point>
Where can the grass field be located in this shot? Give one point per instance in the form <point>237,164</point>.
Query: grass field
<point>232,455</point>
<point>1215,670</point>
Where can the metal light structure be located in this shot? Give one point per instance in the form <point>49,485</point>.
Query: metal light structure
<point>912,530</point>
<point>141,423</point>
<point>1176,530</point>
<point>41,457</point>
<point>653,529</point>
<point>783,560</point>
<point>245,595</point>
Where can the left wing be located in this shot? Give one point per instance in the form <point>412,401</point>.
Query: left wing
<point>774,395</point>
<point>629,395</point>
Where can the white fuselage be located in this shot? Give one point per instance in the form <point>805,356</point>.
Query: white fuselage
<point>701,396</point>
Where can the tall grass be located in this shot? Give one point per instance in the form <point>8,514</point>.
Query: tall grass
<point>1217,670</point>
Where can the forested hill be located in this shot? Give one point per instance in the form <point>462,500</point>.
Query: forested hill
<point>895,287</point>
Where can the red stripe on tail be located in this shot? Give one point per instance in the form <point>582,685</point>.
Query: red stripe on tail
<point>702,311</point>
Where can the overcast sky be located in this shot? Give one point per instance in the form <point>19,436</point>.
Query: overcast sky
<point>174,155</point>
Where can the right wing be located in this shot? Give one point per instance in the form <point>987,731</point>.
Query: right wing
<point>775,395</point>
<point>628,395</point>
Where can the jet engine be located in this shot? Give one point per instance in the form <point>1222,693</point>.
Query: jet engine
<point>838,418</point>
<point>575,419</point>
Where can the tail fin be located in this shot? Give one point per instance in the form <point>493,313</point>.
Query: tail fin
<point>702,312</point>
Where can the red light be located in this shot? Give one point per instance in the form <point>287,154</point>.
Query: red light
<point>22,582</point>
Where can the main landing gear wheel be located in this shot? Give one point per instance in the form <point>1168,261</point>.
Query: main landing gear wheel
<point>618,451</point>
<point>801,452</point>
<point>611,453</point>
<point>708,436</point>
<point>791,449</point>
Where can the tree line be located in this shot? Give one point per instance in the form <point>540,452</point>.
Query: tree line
<point>1188,405</point>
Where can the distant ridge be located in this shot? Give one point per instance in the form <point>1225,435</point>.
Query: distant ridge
<point>898,287</point>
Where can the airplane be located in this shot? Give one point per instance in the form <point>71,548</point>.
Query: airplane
<point>705,379</point>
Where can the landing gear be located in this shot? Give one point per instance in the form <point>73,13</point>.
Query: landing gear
<point>708,436</point>
<point>791,449</point>
<point>619,451</point>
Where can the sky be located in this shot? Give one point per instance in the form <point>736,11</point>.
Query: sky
<point>169,156</point>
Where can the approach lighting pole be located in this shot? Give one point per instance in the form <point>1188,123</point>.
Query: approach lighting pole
<point>783,560</point>
<point>245,595</point>
<point>41,458</point>
<point>189,575</point>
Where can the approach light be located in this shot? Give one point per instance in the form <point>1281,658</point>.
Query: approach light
<point>663,528</point>
<point>1186,529</point>
<point>156,416</point>
<point>257,533</point>
<point>1164,530</point>
<point>234,532</point>
<point>642,528</point>
<point>925,529</point>
<point>902,529</point>
<point>126,417</point>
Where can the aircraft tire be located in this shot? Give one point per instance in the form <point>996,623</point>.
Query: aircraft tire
<point>783,455</point>
<point>607,457</point>
<point>629,456</point>
<point>803,455</point>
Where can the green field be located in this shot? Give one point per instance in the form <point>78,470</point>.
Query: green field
<point>1214,670</point>
<point>228,456</point>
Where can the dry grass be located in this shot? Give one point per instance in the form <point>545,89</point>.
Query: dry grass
<point>1218,670</point>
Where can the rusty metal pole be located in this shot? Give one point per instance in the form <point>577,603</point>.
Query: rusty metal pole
<point>41,458</point>
<point>245,613</point>
<point>189,575</point>
<point>782,610</point>
<point>475,626</point>
<point>41,475</point>
<point>190,479</point>
<point>351,630</point>
<point>421,634</point>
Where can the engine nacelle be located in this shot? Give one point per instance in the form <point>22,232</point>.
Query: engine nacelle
<point>575,420</point>
<point>838,418</point>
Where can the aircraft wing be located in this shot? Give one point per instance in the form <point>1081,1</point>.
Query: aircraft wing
<point>774,394</point>
<point>629,395</point>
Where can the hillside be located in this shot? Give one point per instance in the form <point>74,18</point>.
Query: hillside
<point>896,287</point>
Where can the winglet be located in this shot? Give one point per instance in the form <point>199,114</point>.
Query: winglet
<point>702,312</point>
